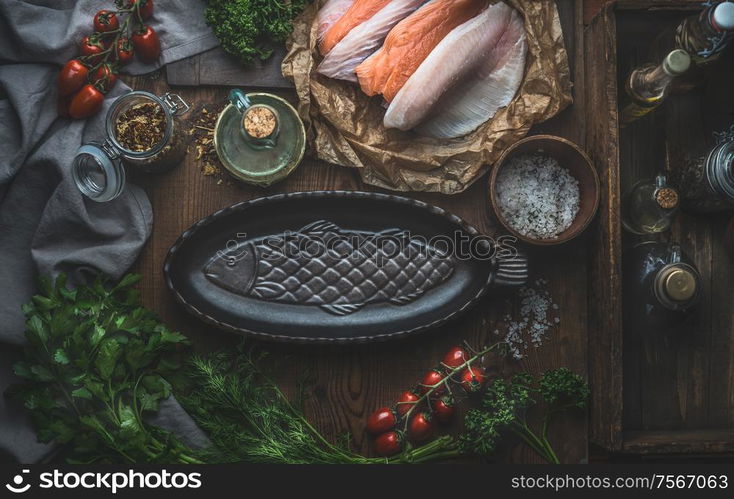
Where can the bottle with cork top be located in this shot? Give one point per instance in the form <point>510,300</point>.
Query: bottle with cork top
<point>650,206</point>
<point>648,86</point>
<point>661,286</point>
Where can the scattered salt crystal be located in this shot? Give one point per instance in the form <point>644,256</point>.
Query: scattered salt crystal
<point>537,197</point>
<point>533,323</point>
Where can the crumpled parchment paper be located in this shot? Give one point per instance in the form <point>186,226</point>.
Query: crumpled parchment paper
<point>345,126</point>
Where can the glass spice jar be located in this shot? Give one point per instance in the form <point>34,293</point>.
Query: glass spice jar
<point>706,181</point>
<point>143,132</point>
<point>650,206</point>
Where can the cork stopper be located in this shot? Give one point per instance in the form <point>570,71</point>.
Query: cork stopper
<point>677,62</point>
<point>260,122</point>
<point>667,198</point>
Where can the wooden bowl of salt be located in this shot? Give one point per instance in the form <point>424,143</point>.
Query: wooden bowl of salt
<point>544,190</point>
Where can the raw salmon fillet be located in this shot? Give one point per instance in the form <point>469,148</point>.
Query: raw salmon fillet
<point>364,39</point>
<point>359,12</point>
<point>330,13</point>
<point>410,42</point>
<point>491,86</point>
<point>449,63</point>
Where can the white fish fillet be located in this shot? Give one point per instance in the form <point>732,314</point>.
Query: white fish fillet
<point>446,65</point>
<point>363,40</point>
<point>330,13</point>
<point>492,86</point>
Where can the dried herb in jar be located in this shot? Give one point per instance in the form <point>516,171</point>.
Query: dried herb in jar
<point>141,127</point>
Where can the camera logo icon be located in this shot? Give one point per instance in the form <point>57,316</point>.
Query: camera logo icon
<point>17,486</point>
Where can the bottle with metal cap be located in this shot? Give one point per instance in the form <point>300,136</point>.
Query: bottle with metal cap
<point>661,286</point>
<point>648,86</point>
<point>99,168</point>
<point>705,35</point>
<point>650,206</point>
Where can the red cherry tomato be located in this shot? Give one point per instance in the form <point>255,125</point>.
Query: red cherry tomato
<point>455,357</point>
<point>147,45</point>
<point>72,77</point>
<point>443,409</point>
<point>124,51</point>
<point>420,427</point>
<point>105,21</point>
<point>145,6</point>
<point>105,77</point>
<point>382,420</point>
<point>91,48</point>
<point>389,444</point>
<point>431,378</point>
<point>406,400</point>
<point>472,378</point>
<point>86,102</point>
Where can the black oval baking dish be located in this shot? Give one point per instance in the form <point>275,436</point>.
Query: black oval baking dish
<point>334,266</point>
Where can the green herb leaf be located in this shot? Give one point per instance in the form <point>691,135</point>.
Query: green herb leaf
<point>82,393</point>
<point>86,347</point>
<point>61,357</point>
<point>107,357</point>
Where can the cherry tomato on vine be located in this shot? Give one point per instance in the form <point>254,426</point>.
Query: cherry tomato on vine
<point>472,378</point>
<point>124,51</point>
<point>389,444</point>
<point>105,21</point>
<point>406,400</point>
<point>72,77</point>
<point>420,427</point>
<point>147,45</point>
<point>455,357</point>
<point>86,102</point>
<point>443,409</point>
<point>382,420</point>
<point>145,6</point>
<point>92,48</point>
<point>105,77</point>
<point>431,378</point>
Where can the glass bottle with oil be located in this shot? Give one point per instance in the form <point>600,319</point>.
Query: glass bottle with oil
<point>705,35</point>
<point>650,206</point>
<point>648,86</point>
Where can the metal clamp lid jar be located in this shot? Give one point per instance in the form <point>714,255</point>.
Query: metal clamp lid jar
<point>98,169</point>
<point>706,182</point>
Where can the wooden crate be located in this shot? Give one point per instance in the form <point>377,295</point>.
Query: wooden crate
<point>674,394</point>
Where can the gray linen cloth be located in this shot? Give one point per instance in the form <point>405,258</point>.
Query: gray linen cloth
<point>46,225</point>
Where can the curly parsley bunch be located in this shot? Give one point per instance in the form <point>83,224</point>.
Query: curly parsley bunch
<point>247,29</point>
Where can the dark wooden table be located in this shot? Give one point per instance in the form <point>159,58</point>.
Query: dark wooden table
<point>350,382</point>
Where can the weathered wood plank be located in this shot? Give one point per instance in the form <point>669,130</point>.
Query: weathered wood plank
<point>350,382</point>
<point>680,442</point>
<point>605,334</point>
<point>216,67</point>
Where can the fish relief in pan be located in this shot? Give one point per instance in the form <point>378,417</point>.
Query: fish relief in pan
<point>338,270</point>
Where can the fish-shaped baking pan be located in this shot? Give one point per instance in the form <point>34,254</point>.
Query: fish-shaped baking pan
<point>335,266</point>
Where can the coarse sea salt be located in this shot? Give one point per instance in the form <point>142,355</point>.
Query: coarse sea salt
<point>537,316</point>
<point>537,196</point>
